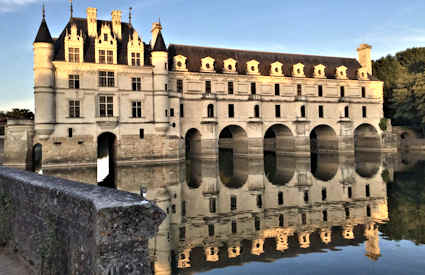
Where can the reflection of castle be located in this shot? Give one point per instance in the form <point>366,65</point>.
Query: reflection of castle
<point>213,224</point>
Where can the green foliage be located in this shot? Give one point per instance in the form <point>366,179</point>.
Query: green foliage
<point>386,176</point>
<point>17,114</point>
<point>383,124</point>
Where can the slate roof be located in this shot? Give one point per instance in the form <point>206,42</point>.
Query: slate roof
<point>89,42</point>
<point>43,34</point>
<point>159,45</point>
<point>194,55</point>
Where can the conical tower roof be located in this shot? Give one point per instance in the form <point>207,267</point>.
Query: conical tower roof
<point>159,45</point>
<point>43,34</point>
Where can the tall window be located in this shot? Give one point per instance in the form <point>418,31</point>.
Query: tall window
<point>136,83</point>
<point>281,220</point>
<point>74,108</point>
<point>280,198</point>
<point>137,109</point>
<point>110,57</point>
<point>347,212</point>
<point>135,59</point>
<point>181,110</point>
<point>74,81</point>
<point>259,201</point>
<point>342,91</point>
<point>299,90</point>
<point>253,88</point>
<point>210,110</point>
<point>106,106</point>
<point>277,89</point>
<point>233,203</point>
<point>257,111</point>
<point>324,194</point>
<point>231,110</point>
<point>74,55</point>
<point>350,192</point>
<point>102,57</point>
<point>106,79</point>
<point>211,230</point>
<point>321,111</point>
<point>346,111</point>
<point>208,86</point>
<point>367,190</point>
<point>230,87</point>
<point>213,208</point>
<point>303,111</point>
<point>257,223</point>
<point>180,85</point>
<point>306,196</point>
<point>320,90</point>
<point>325,215</point>
<point>171,112</point>
<point>234,227</point>
<point>364,111</point>
<point>363,91</point>
<point>277,110</point>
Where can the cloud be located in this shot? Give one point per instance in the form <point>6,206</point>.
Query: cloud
<point>12,5</point>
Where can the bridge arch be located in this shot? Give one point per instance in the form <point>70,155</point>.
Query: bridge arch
<point>193,143</point>
<point>323,138</point>
<point>106,154</point>
<point>279,137</point>
<point>366,138</point>
<point>234,137</point>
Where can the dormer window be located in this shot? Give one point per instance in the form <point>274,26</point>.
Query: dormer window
<point>207,64</point>
<point>180,63</point>
<point>74,45</point>
<point>319,71</point>
<point>135,50</point>
<point>74,55</point>
<point>252,67</point>
<point>229,65</point>
<point>298,70</point>
<point>105,37</point>
<point>276,69</point>
<point>341,72</point>
<point>135,59</point>
<point>362,74</point>
<point>106,47</point>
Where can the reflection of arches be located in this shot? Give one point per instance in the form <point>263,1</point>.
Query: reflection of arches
<point>366,138</point>
<point>323,139</point>
<point>37,158</point>
<point>324,166</point>
<point>233,169</point>
<point>106,144</point>
<point>194,173</point>
<point>193,143</point>
<point>367,164</point>
<point>235,138</point>
<point>278,137</point>
<point>210,110</point>
<point>278,170</point>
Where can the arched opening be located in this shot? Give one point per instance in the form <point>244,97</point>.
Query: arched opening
<point>210,110</point>
<point>193,152</point>
<point>193,173</point>
<point>106,143</point>
<point>235,138</point>
<point>279,170</point>
<point>366,138</point>
<point>324,166</point>
<point>324,152</point>
<point>37,158</point>
<point>256,111</point>
<point>323,139</point>
<point>278,138</point>
<point>367,164</point>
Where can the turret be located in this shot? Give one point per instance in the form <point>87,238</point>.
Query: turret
<point>364,52</point>
<point>45,113</point>
<point>160,64</point>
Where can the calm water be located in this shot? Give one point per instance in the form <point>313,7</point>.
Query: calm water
<point>328,214</point>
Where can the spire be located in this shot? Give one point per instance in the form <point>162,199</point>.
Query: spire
<point>129,15</point>
<point>159,45</point>
<point>43,34</point>
<point>71,8</point>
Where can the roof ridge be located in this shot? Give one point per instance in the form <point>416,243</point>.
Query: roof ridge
<point>261,52</point>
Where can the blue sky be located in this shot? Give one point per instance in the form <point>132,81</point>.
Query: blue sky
<point>326,27</point>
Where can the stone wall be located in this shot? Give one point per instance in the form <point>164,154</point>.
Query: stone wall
<point>68,227</point>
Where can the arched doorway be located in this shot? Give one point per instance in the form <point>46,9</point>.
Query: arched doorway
<point>366,138</point>
<point>106,144</point>
<point>323,139</point>
<point>37,158</point>
<point>278,138</point>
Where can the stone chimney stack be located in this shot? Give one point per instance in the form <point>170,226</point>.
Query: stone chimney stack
<point>92,21</point>
<point>364,52</point>
<point>156,28</point>
<point>116,23</point>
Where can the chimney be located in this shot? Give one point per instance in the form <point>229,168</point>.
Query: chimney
<point>116,23</point>
<point>364,52</point>
<point>156,28</point>
<point>92,21</point>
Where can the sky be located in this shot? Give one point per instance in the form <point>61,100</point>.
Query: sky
<point>326,27</point>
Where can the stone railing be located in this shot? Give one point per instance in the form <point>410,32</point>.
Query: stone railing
<point>65,227</point>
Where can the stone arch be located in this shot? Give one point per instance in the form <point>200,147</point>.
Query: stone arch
<point>323,139</point>
<point>366,138</point>
<point>234,137</point>
<point>37,158</point>
<point>106,158</point>
<point>279,138</point>
<point>193,144</point>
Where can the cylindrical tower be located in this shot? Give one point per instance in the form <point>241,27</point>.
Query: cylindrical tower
<point>160,71</point>
<point>45,113</point>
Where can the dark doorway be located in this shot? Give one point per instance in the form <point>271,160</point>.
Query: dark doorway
<point>37,158</point>
<point>106,160</point>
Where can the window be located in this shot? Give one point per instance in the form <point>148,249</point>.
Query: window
<point>180,85</point>
<point>253,88</point>
<point>281,220</point>
<point>321,111</point>
<point>325,215</point>
<point>257,111</point>
<point>306,196</point>
<point>277,110</point>
<point>182,233</point>
<point>74,81</point>
<point>110,57</point>
<point>142,133</point>
<point>277,89</point>
<point>363,91</point>
<point>211,230</point>
<point>166,113</point>
<point>106,106</point>
<point>259,201</point>
<point>367,190</point>
<point>233,203</point>
<point>166,87</point>
<point>350,192</point>
<point>171,112</point>
<point>183,208</point>
<point>299,90</point>
<point>324,194</point>
<point>303,218</point>
<point>280,198</point>
<point>181,110</point>
<point>234,227</point>
<point>231,110</point>
<point>368,211</point>
<point>166,66</point>
<point>257,223</point>
<point>137,109</point>
<point>364,111</point>
<point>303,111</point>
<point>102,57</point>
<point>347,212</point>
<point>70,132</point>
<point>136,83</point>
<point>106,79</point>
<point>320,90</point>
<point>74,55</point>
<point>135,59</point>
<point>230,87</point>
<point>74,108</point>
<point>105,37</point>
<point>342,91</point>
<point>212,205</point>
<point>208,86</point>
<point>210,110</point>
<point>346,111</point>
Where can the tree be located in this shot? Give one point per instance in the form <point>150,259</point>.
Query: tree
<point>17,114</point>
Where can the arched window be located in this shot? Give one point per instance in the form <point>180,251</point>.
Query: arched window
<point>257,111</point>
<point>210,110</point>
<point>303,111</point>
